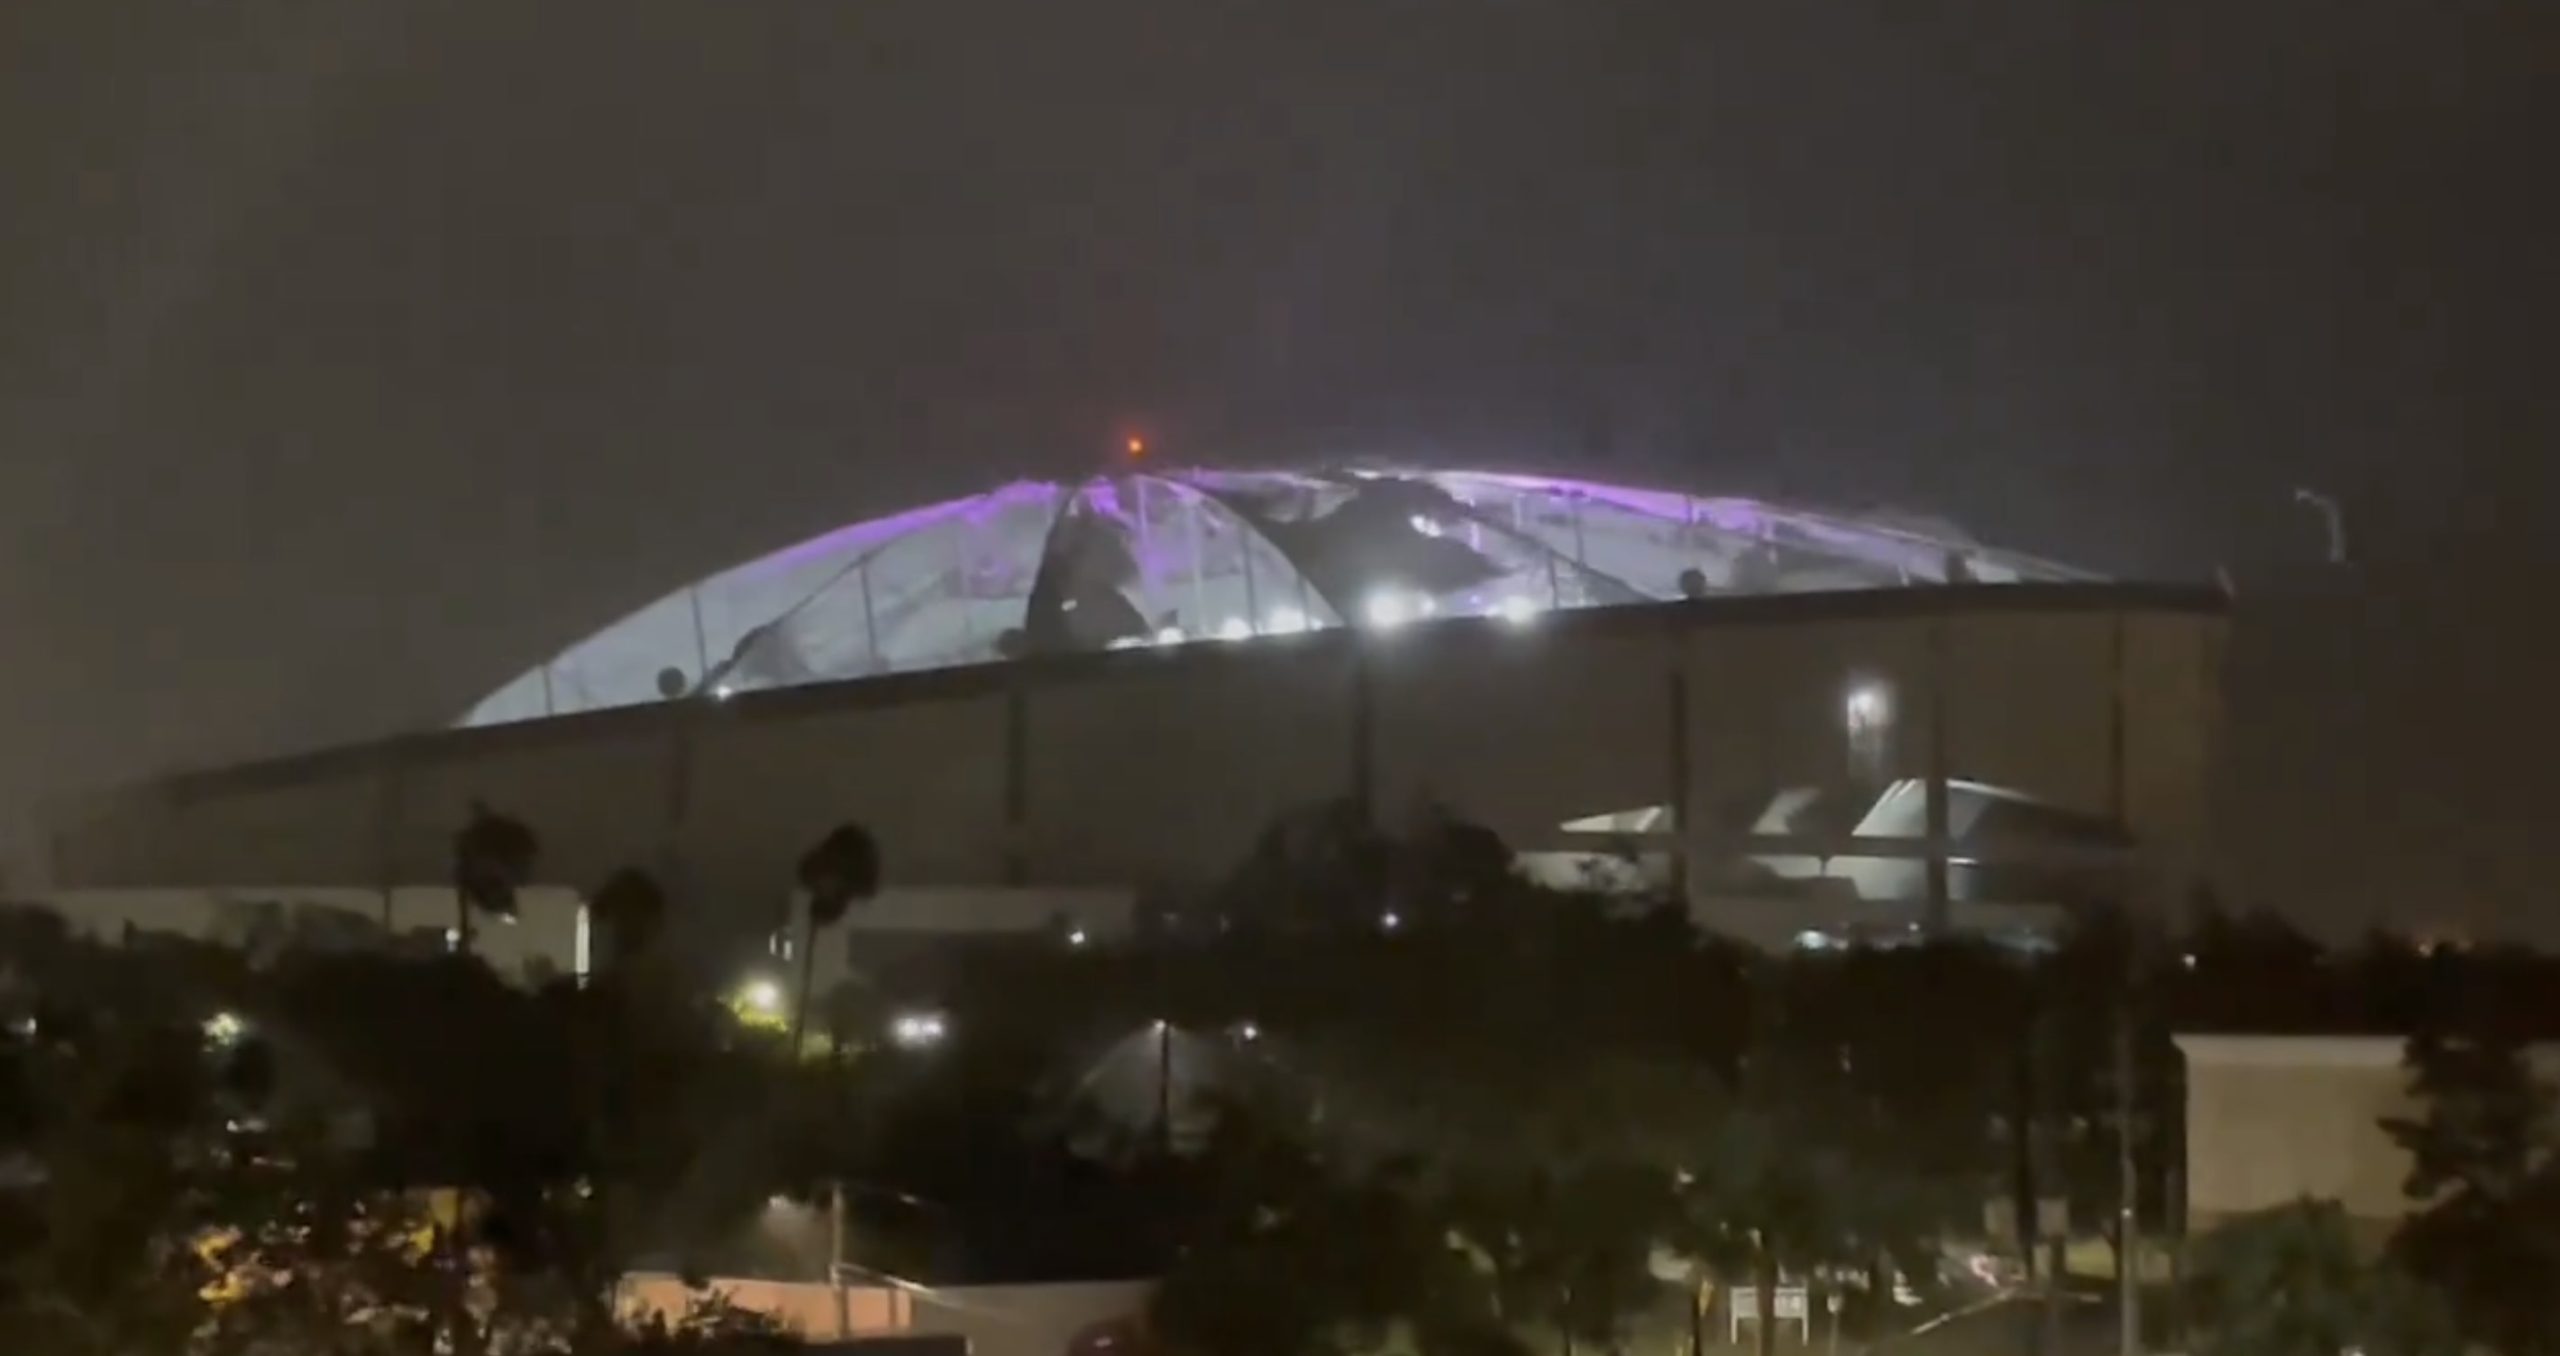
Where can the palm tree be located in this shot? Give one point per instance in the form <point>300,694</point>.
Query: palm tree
<point>630,911</point>
<point>493,857</point>
<point>840,870</point>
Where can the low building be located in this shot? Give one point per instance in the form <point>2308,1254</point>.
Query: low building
<point>548,937</point>
<point>2275,1119</point>
<point>1062,1319</point>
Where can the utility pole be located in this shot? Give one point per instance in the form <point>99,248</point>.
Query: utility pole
<point>835,1259</point>
<point>2128,1197</point>
<point>2052,1226</point>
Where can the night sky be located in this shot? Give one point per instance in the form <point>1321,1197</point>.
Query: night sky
<point>353,355</point>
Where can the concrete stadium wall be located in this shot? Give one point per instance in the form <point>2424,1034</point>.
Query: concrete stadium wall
<point>1147,766</point>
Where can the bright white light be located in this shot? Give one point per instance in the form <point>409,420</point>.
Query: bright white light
<point>1388,609</point>
<point>1868,706</point>
<point>1425,526</point>
<point>1127,643</point>
<point>918,1030</point>
<point>761,996</point>
<point>1519,609</point>
<point>1170,635</point>
<point>1077,937</point>
<point>1390,920</point>
<point>1285,621</point>
<point>224,1028</point>
<point>1235,628</point>
<point>1248,1032</point>
<point>722,692</point>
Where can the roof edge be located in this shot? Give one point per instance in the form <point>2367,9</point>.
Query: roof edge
<point>1848,605</point>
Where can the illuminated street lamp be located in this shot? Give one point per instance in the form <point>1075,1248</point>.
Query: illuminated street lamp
<point>760,997</point>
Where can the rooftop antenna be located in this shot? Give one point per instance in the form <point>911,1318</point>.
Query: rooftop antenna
<point>2329,514</point>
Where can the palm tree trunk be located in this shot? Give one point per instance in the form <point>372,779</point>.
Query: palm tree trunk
<point>1764,1280</point>
<point>808,968</point>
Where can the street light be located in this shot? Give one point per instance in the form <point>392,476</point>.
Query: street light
<point>761,996</point>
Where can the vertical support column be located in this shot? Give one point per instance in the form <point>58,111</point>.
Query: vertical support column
<point>2118,795</point>
<point>1678,799</point>
<point>870,622</point>
<point>2136,890</point>
<point>701,636</point>
<point>1252,595</point>
<point>1364,729</point>
<point>386,828</point>
<point>1939,910</point>
<point>1146,552</point>
<point>1200,619</point>
<point>1017,786</point>
<point>679,801</point>
<point>964,586</point>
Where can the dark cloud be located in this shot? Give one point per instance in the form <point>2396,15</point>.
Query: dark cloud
<point>351,355</point>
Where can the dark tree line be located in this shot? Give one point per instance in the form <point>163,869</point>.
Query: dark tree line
<point>1420,1099</point>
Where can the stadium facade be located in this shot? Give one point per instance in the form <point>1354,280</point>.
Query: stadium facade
<point>1047,699</point>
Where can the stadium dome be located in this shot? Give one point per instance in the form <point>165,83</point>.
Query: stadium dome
<point>1176,556</point>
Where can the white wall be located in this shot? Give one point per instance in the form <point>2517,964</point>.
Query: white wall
<point>998,1320</point>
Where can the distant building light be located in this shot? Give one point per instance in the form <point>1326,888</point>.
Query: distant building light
<point>224,1028</point>
<point>1235,628</point>
<point>721,692</point>
<point>1285,621</point>
<point>1390,920</point>
<point>1170,635</point>
<point>1077,937</point>
<point>1814,939</point>
<point>1248,1032</point>
<point>1519,609</point>
<point>918,1030</point>
<point>1425,526</point>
